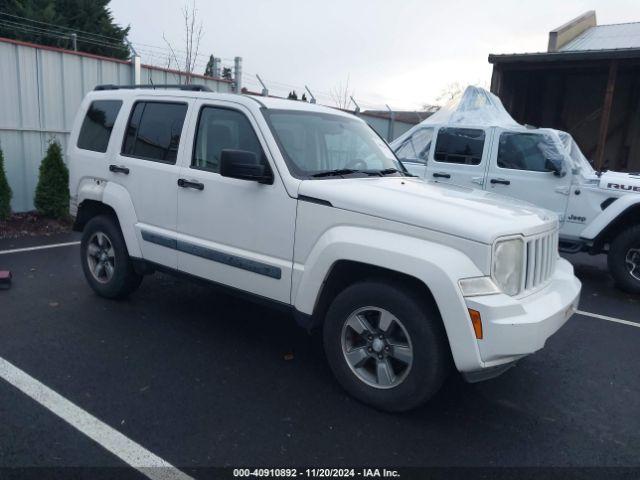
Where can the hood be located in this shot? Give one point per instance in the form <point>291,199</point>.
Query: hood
<point>464,212</point>
<point>620,182</point>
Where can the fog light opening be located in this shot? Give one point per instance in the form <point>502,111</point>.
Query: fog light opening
<point>476,321</point>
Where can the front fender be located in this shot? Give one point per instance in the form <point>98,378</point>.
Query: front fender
<point>612,212</point>
<point>438,266</point>
<point>118,198</point>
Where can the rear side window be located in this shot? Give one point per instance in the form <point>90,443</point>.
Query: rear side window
<point>98,124</point>
<point>154,131</point>
<point>222,129</point>
<point>460,145</point>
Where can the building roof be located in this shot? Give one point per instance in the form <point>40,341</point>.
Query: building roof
<point>605,37</point>
<point>582,39</point>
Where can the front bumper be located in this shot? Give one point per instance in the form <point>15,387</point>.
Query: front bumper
<point>516,327</point>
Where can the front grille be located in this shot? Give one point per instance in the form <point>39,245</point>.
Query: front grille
<point>542,254</point>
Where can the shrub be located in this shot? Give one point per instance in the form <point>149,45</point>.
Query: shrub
<point>52,192</point>
<point>5,191</point>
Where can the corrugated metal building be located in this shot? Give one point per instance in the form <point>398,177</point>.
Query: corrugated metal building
<point>587,83</point>
<point>40,90</point>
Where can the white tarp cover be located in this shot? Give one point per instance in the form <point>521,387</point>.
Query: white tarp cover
<point>475,106</point>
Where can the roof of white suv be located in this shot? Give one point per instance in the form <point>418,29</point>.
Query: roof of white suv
<point>250,101</point>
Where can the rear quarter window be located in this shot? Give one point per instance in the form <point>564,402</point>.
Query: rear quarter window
<point>98,124</point>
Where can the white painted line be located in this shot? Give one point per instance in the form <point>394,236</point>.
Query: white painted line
<point>122,447</point>
<point>609,319</point>
<point>41,247</point>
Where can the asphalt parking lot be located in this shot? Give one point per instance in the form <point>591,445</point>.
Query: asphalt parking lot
<point>202,379</point>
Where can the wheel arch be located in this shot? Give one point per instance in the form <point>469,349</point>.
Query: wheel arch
<point>613,224</point>
<point>348,254</point>
<point>108,198</point>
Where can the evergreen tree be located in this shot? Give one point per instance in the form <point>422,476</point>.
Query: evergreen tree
<point>226,73</point>
<point>91,20</point>
<point>52,192</point>
<point>5,191</point>
<point>293,95</point>
<point>304,97</point>
<point>208,71</point>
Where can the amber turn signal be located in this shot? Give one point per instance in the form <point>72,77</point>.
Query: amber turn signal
<point>476,321</point>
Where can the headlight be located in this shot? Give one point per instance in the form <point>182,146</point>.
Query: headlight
<point>508,265</point>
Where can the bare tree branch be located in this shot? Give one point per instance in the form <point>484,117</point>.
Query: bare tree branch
<point>194,31</point>
<point>341,94</point>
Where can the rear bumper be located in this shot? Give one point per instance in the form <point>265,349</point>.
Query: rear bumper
<point>514,328</point>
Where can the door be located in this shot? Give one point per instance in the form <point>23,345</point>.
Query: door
<point>522,166</point>
<point>459,157</point>
<point>147,167</point>
<point>413,152</point>
<point>235,232</point>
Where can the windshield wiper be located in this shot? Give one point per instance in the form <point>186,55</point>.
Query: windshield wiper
<point>388,171</point>
<point>335,173</point>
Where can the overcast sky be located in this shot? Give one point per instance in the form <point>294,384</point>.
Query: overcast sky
<point>401,52</point>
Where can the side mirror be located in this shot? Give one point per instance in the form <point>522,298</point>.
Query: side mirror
<point>244,165</point>
<point>555,166</point>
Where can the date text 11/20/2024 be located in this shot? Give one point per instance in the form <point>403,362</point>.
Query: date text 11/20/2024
<point>316,473</point>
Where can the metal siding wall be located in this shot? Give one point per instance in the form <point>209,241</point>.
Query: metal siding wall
<point>40,95</point>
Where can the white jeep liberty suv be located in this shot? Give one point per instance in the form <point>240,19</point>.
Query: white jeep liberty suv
<point>306,207</point>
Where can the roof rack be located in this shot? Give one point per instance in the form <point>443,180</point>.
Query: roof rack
<point>190,88</point>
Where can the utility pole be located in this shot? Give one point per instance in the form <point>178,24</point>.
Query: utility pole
<point>216,67</point>
<point>238,74</point>
<point>136,64</point>
<point>74,42</point>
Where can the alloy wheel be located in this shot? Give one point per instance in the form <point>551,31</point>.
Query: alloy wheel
<point>101,257</point>
<point>377,347</point>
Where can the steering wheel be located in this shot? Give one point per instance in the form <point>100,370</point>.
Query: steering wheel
<point>356,164</point>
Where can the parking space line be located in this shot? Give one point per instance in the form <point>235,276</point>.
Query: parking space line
<point>115,442</point>
<point>609,319</point>
<point>41,247</point>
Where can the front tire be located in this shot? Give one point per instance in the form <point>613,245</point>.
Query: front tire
<point>386,345</point>
<point>624,260</point>
<point>105,259</point>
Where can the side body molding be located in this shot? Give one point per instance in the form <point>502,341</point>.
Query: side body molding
<point>438,266</point>
<point>612,212</point>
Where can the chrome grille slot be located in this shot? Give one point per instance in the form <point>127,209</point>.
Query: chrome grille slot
<point>542,253</point>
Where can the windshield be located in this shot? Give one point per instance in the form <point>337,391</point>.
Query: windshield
<point>315,143</point>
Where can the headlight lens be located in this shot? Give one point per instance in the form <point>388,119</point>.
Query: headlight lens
<point>508,265</point>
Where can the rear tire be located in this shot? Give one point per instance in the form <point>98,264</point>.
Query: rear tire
<point>105,259</point>
<point>393,369</point>
<point>624,260</point>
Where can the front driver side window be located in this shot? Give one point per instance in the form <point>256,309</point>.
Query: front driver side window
<point>416,147</point>
<point>222,129</point>
<point>526,151</point>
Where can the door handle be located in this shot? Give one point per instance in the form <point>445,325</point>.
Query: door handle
<point>441,175</point>
<point>501,181</point>
<point>119,169</point>
<point>189,184</point>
